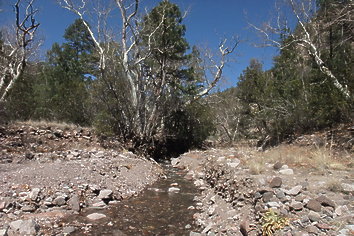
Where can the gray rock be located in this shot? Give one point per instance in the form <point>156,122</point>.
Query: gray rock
<point>267,196</point>
<point>28,208</point>
<point>312,229</point>
<point>325,201</point>
<point>68,230</point>
<point>194,234</point>
<point>34,194</point>
<point>273,204</point>
<point>74,203</point>
<point>59,201</point>
<point>314,205</point>
<point>24,227</point>
<point>3,232</point>
<point>297,206</point>
<point>99,204</point>
<point>234,163</point>
<point>348,187</point>
<point>173,190</point>
<point>286,171</point>
<point>2,205</point>
<point>175,162</point>
<point>276,182</point>
<point>294,191</point>
<point>280,194</point>
<point>314,216</point>
<point>340,210</point>
<point>105,194</point>
<point>96,216</point>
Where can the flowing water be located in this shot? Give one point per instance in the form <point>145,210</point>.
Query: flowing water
<point>156,211</point>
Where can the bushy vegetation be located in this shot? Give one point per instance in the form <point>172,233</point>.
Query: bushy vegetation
<point>294,96</point>
<point>158,111</point>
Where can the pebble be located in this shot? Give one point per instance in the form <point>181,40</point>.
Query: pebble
<point>286,171</point>
<point>173,190</point>
<point>96,216</point>
<point>294,191</point>
<point>105,194</point>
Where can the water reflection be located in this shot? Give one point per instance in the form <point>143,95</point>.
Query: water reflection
<point>154,212</point>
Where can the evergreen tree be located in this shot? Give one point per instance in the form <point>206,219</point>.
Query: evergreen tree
<point>63,94</point>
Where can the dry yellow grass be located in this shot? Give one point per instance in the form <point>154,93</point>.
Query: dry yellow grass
<point>320,158</point>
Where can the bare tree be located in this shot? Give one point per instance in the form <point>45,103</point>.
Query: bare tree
<point>17,48</point>
<point>145,94</point>
<point>306,35</point>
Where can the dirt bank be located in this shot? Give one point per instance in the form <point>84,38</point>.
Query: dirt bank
<point>48,171</point>
<point>236,197</point>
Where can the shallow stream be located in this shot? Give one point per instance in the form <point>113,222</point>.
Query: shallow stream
<point>156,211</point>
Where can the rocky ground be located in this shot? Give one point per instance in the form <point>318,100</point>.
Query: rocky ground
<point>235,201</point>
<point>48,172</point>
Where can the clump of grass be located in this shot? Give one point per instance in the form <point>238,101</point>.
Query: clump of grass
<point>334,185</point>
<point>257,165</point>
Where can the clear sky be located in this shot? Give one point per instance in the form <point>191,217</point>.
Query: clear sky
<point>207,22</point>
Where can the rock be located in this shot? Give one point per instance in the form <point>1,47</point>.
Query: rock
<point>173,190</point>
<point>59,201</point>
<point>273,204</point>
<point>276,182</point>
<point>348,187</point>
<point>234,163</point>
<point>24,227</point>
<point>68,230</point>
<point>277,166</point>
<point>99,204</point>
<point>297,206</point>
<point>2,205</point>
<point>3,232</point>
<point>199,182</point>
<point>105,194</point>
<point>340,210</point>
<point>194,234</point>
<point>314,205</point>
<point>267,196</point>
<point>325,201</point>
<point>294,191</point>
<point>314,216</point>
<point>175,162</point>
<point>312,229</point>
<point>96,216</point>
<point>28,208</point>
<point>286,171</point>
<point>279,194</point>
<point>74,203</point>
<point>34,194</point>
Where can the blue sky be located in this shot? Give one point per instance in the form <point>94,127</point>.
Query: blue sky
<point>207,22</point>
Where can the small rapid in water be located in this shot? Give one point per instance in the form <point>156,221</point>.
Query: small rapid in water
<point>155,211</point>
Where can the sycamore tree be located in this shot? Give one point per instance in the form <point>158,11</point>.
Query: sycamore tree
<point>315,21</point>
<point>17,45</point>
<point>149,63</point>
